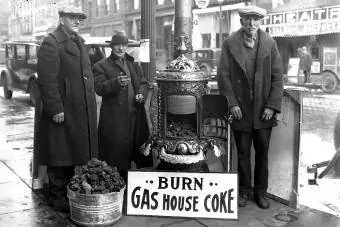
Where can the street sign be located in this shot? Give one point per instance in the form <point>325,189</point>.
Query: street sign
<point>202,3</point>
<point>183,194</point>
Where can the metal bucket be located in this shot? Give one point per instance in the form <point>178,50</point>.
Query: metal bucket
<point>95,209</point>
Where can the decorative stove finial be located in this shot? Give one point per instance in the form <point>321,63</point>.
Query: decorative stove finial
<point>182,47</point>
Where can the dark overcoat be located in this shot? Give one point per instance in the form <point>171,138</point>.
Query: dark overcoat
<point>66,85</point>
<point>117,144</point>
<point>267,84</point>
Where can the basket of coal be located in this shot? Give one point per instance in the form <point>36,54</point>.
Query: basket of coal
<point>96,194</point>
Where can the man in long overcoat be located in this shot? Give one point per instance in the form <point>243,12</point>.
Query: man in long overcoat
<point>68,129</point>
<point>250,76</point>
<point>122,85</point>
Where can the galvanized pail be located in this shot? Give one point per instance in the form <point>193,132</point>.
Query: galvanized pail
<point>95,209</point>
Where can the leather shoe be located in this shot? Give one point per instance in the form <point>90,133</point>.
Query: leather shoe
<point>262,202</point>
<point>242,200</point>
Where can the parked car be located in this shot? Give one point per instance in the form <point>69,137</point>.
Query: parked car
<point>207,59</point>
<point>20,71</point>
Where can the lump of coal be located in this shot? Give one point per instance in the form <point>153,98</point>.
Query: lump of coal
<point>96,177</point>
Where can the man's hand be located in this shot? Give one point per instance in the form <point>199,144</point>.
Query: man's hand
<point>140,98</point>
<point>236,112</point>
<point>124,80</point>
<point>59,118</point>
<point>267,114</point>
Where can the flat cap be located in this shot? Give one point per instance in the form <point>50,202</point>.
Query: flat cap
<point>252,10</point>
<point>72,11</point>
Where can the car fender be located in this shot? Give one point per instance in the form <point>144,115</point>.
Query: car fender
<point>206,66</point>
<point>334,73</point>
<point>5,73</point>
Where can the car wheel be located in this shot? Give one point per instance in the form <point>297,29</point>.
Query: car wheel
<point>7,92</point>
<point>329,82</point>
<point>33,93</point>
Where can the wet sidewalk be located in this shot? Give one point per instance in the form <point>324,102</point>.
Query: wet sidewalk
<point>20,206</point>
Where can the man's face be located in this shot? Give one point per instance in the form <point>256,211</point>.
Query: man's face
<point>119,49</point>
<point>71,23</point>
<point>251,24</point>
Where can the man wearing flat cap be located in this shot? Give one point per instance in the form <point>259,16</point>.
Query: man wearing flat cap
<point>122,85</point>
<point>68,125</point>
<point>250,77</point>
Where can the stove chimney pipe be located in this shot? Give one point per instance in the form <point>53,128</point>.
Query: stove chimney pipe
<point>183,24</point>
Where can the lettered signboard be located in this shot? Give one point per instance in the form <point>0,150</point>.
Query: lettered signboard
<point>183,194</point>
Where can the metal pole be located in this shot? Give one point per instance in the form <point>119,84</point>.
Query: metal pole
<point>148,31</point>
<point>221,23</point>
<point>183,20</point>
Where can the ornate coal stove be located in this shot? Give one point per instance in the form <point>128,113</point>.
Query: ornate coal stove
<point>187,122</point>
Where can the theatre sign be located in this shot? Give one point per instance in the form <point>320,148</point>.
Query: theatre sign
<point>312,21</point>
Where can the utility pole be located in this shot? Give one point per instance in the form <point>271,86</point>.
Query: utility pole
<point>221,24</point>
<point>183,21</point>
<point>148,31</point>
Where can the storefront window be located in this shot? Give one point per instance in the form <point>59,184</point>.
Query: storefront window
<point>206,38</point>
<point>98,8</point>
<point>117,5</point>
<point>136,4</point>
<point>315,52</point>
<point>160,2</point>
<point>107,7</point>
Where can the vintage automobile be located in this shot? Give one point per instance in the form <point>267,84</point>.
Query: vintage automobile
<point>20,71</point>
<point>21,67</point>
<point>207,59</point>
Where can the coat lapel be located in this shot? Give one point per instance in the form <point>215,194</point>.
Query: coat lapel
<point>72,48</point>
<point>236,49</point>
<point>133,75</point>
<point>113,60</point>
<point>61,36</point>
<point>263,48</point>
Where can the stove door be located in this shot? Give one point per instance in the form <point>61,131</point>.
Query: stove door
<point>215,112</point>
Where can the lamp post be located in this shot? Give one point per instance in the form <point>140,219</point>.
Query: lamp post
<point>220,21</point>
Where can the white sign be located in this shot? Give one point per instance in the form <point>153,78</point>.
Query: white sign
<point>315,67</point>
<point>183,194</point>
<point>302,22</point>
<point>202,3</point>
<point>144,50</point>
<point>293,70</point>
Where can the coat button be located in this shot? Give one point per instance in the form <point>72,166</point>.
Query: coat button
<point>238,81</point>
<point>239,98</point>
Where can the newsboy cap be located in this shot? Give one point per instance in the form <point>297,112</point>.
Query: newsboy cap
<point>72,11</point>
<point>252,10</point>
<point>118,37</point>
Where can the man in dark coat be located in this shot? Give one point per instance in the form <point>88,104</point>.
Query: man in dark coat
<point>305,63</point>
<point>68,130</point>
<point>250,76</point>
<point>120,82</point>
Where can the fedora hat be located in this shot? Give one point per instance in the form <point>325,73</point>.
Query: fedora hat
<point>252,10</point>
<point>118,37</point>
<point>72,11</point>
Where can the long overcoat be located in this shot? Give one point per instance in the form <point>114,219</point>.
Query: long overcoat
<point>117,137</point>
<point>234,83</point>
<point>66,85</point>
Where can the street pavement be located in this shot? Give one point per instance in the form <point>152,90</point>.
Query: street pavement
<point>21,206</point>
